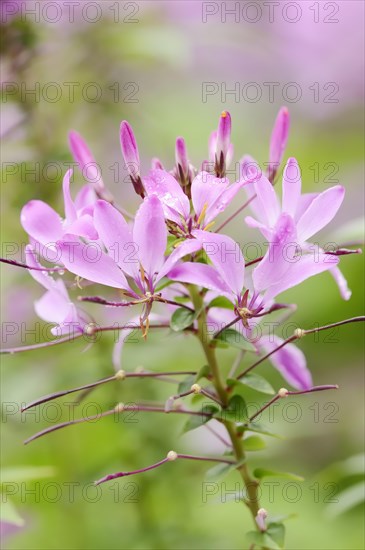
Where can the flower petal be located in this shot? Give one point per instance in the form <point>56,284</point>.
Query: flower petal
<point>41,222</point>
<point>306,266</point>
<point>70,210</point>
<point>199,274</point>
<point>83,156</point>
<point>320,212</point>
<point>279,256</point>
<point>150,235</point>
<point>89,262</point>
<point>187,247</point>
<point>205,190</point>
<point>116,235</point>
<point>292,184</point>
<point>290,361</point>
<point>267,201</point>
<point>279,138</point>
<point>226,256</point>
<point>174,201</point>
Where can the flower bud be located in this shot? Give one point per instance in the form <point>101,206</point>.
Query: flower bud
<point>89,168</point>
<point>278,141</point>
<point>261,519</point>
<point>181,156</point>
<point>131,156</point>
<point>156,164</point>
<point>223,147</point>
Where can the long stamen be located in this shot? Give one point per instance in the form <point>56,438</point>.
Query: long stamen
<point>25,266</point>
<point>171,457</point>
<point>299,333</point>
<point>283,392</point>
<point>118,409</point>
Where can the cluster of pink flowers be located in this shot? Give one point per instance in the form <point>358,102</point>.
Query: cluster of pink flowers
<point>170,243</point>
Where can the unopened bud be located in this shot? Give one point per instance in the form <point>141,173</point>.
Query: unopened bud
<point>131,156</point>
<point>261,519</point>
<point>278,141</point>
<point>171,455</point>
<point>299,333</point>
<point>181,155</point>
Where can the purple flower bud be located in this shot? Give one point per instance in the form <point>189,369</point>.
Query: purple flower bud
<point>181,155</point>
<point>278,141</point>
<point>223,134</point>
<point>89,168</point>
<point>131,156</point>
<point>129,150</point>
<point>261,519</point>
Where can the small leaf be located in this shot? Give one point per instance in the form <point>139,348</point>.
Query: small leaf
<point>203,373</point>
<point>221,301</point>
<point>186,383</point>
<point>277,532</point>
<point>236,411</point>
<point>263,540</point>
<point>263,472</point>
<point>235,339</point>
<point>181,319</point>
<point>253,381</point>
<point>221,470</point>
<point>258,428</point>
<point>197,420</point>
<point>254,443</point>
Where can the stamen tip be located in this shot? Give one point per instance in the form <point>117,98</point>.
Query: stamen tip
<point>196,388</point>
<point>120,375</point>
<point>283,392</point>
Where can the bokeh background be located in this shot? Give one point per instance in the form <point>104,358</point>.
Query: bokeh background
<point>168,67</point>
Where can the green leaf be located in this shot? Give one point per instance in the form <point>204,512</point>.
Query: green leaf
<point>263,472</point>
<point>221,301</point>
<point>197,420</point>
<point>186,383</point>
<point>181,319</point>
<point>277,532</point>
<point>203,373</point>
<point>262,540</point>
<point>253,381</point>
<point>221,470</point>
<point>235,339</point>
<point>258,428</point>
<point>254,443</point>
<point>236,410</point>
<point>346,500</point>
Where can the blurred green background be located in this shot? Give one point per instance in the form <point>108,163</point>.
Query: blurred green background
<point>151,61</point>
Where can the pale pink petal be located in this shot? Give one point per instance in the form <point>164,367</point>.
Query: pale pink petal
<point>116,235</point>
<point>150,235</point>
<point>279,138</point>
<point>42,277</point>
<point>306,266</point>
<point>279,256</point>
<point>341,283</point>
<point>205,190</point>
<point>226,256</point>
<point>89,262</point>
<point>290,361</point>
<point>82,227</point>
<point>199,274</point>
<point>292,185</point>
<point>183,249</point>
<point>174,201</point>
<point>41,222</point>
<point>267,201</point>
<point>320,212</point>
<point>70,210</point>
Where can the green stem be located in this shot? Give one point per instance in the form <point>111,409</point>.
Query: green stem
<point>251,485</point>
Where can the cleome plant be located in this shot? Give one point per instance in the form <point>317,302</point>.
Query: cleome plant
<point>172,267</point>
